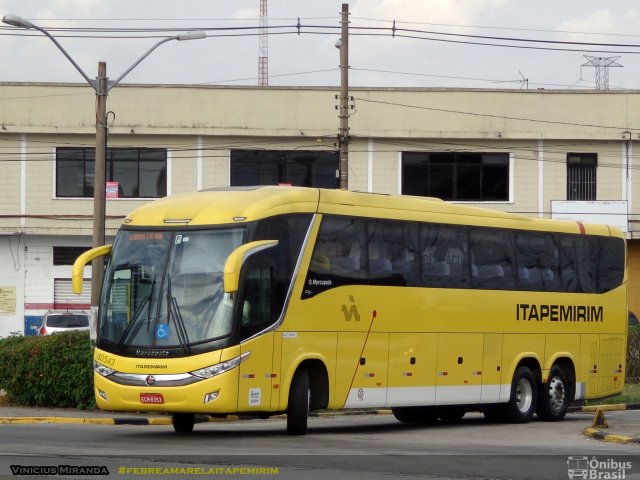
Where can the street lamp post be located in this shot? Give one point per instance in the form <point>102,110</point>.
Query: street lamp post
<point>102,85</point>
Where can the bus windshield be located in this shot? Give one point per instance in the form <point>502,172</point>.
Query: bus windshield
<point>165,289</point>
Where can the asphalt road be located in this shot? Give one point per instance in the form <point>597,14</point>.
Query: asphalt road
<point>371,447</point>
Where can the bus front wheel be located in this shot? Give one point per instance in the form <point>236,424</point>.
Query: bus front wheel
<point>183,422</point>
<point>298,408</point>
<point>553,401</point>
<point>524,395</point>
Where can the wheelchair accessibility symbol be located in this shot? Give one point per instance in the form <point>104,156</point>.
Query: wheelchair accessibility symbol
<point>162,330</point>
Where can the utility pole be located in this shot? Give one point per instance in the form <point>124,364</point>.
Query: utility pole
<point>99,181</point>
<point>343,131</point>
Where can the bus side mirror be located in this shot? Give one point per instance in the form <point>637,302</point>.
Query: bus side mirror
<point>81,262</point>
<point>233,265</point>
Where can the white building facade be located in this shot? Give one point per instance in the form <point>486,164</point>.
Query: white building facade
<point>563,154</point>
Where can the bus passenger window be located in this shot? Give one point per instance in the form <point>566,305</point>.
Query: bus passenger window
<point>337,257</point>
<point>538,262</point>
<point>444,257</point>
<point>586,257</point>
<point>392,249</point>
<point>610,264</point>
<point>492,260</point>
<point>321,259</point>
<point>379,262</point>
<point>568,267</point>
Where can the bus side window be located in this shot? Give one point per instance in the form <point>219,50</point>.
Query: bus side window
<point>492,259</point>
<point>610,263</point>
<point>568,267</point>
<point>445,259</point>
<point>338,257</point>
<point>404,251</point>
<point>384,247</point>
<point>338,249</point>
<point>538,262</point>
<point>586,260</point>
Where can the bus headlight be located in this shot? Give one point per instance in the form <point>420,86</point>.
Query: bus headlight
<point>102,369</point>
<point>213,370</point>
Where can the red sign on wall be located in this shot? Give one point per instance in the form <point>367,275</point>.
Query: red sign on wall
<point>112,190</point>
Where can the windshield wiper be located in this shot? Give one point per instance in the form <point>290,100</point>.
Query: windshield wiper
<point>173,308</point>
<point>134,321</point>
<point>134,324</point>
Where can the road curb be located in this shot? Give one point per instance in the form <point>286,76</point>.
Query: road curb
<point>159,420</point>
<point>609,437</point>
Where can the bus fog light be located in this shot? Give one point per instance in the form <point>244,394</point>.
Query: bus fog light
<point>103,395</point>
<point>210,397</point>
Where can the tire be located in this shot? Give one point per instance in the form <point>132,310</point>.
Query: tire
<point>553,398</point>
<point>523,399</point>
<point>183,422</point>
<point>298,408</point>
<point>422,415</point>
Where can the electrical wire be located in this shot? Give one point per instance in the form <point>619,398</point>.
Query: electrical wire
<point>298,29</point>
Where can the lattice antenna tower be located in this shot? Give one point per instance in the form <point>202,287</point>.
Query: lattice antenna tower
<point>602,65</point>
<point>263,54</point>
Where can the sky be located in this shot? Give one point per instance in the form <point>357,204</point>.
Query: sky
<point>436,43</point>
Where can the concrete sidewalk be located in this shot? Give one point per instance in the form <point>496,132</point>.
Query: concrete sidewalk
<point>614,423</point>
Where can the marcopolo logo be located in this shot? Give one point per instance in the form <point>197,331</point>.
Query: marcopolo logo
<point>597,469</point>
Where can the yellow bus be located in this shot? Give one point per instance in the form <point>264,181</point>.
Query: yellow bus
<point>270,300</point>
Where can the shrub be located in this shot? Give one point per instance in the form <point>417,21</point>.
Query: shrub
<point>49,371</point>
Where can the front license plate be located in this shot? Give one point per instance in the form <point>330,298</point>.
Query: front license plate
<point>151,398</point>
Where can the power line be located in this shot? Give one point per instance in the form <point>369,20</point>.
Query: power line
<point>489,27</point>
<point>393,31</point>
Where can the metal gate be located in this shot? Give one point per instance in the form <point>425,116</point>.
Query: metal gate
<point>65,299</point>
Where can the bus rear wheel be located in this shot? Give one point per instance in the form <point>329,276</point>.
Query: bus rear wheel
<point>524,395</point>
<point>553,401</point>
<point>183,422</point>
<point>299,400</point>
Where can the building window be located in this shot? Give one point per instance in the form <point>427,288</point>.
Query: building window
<point>473,177</point>
<point>581,176</point>
<point>67,255</point>
<point>299,168</point>
<point>139,172</point>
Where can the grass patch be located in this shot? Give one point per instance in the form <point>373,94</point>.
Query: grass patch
<point>630,394</point>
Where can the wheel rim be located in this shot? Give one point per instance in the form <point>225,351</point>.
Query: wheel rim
<point>524,395</point>
<point>556,393</point>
